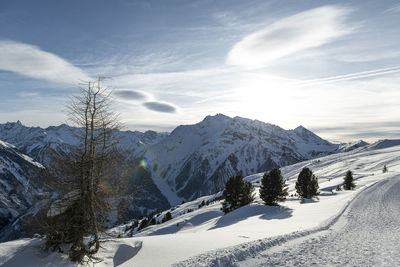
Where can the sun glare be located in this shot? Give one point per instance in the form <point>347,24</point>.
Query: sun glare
<point>265,97</point>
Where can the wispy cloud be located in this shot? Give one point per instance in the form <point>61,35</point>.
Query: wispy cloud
<point>304,30</point>
<point>25,94</point>
<point>191,83</point>
<point>160,107</point>
<point>351,76</point>
<point>33,62</point>
<point>393,9</point>
<point>358,55</point>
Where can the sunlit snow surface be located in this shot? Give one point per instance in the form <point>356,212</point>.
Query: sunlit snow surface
<point>208,232</point>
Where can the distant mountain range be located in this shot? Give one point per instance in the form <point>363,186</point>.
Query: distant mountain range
<point>163,169</point>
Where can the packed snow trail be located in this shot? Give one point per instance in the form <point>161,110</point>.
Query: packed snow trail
<point>367,234</point>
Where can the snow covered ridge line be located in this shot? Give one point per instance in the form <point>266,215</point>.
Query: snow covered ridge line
<point>229,256</point>
<point>6,145</point>
<point>27,158</point>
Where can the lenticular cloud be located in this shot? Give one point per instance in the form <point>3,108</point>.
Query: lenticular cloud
<point>31,61</point>
<point>304,30</point>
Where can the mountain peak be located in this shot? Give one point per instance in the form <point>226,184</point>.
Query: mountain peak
<point>300,128</point>
<point>304,131</point>
<point>218,116</point>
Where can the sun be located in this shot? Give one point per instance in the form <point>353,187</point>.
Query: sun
<point>265,97</point>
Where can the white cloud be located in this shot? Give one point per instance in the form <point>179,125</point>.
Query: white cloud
<point>33,62</point>
<point>304,30</point>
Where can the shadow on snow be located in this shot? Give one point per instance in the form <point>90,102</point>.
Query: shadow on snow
<point>265,212</point>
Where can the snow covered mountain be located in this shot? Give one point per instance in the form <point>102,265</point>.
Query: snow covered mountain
<point>20,183</point>
<point>196,160</point>
<point>191,161</point>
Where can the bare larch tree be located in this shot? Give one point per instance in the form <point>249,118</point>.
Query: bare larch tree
<point>77,216</point>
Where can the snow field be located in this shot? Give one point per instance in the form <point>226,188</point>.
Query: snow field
<point>207,237</point>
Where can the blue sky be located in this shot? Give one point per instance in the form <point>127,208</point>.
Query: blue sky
<point>331,66</point>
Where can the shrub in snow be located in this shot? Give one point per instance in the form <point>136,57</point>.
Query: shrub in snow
<point>385,169</point>
<point>273,187</point>
<point>307,184</point>
<point>338,188</point>
<point>348,183</point>
<point>237,193</point>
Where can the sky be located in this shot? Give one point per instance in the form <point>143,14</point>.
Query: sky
<point>331,66</point>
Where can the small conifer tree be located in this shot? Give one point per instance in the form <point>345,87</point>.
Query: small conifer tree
<point>237,193</point>
<point>385,169</point>
<point>307,184</point>
<point>167,217</point>
<point>143,224</point>
<point>348,183</point>
<point>273,187</point>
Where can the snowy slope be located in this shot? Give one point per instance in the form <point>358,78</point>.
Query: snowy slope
<point>367,234</point>
<point>257,221</point>
<point>382,144</point>
<point>19,183</point>
<point>206,237</point>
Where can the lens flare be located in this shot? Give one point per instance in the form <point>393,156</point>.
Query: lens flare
<point>143,163</point>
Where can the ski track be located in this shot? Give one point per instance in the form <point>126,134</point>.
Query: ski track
<point>365,233</point>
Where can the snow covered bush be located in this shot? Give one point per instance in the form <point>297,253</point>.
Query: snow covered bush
<point>307,184</point>
<point>237,193</point>
<point>273,187</point>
